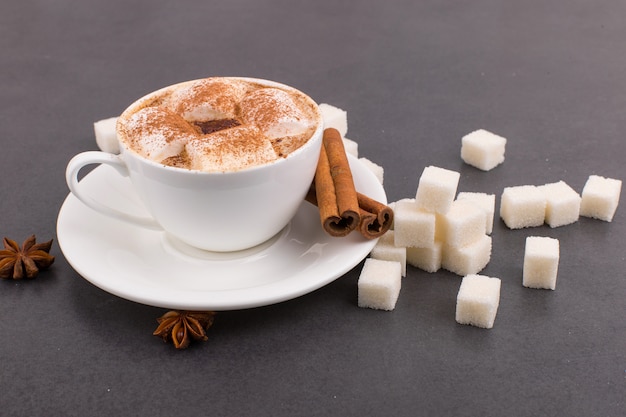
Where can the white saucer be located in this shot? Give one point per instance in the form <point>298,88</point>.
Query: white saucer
<point>149,267</point>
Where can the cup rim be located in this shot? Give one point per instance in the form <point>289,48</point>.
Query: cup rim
<point>137,104</point>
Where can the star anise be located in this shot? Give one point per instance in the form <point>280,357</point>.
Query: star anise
<point>17,263</point>
<point>182,326</point>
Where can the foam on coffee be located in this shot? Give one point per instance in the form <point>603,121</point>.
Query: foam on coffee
<point>219,124</point>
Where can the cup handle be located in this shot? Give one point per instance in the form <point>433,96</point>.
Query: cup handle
<point>94,157</point>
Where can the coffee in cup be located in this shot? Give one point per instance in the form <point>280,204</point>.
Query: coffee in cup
<point>219,124</point>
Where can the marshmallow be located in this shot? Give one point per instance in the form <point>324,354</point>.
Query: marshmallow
<point>157,133</point>
<point>274,112</point>
<point>208,99</point>
<point>230,149</point>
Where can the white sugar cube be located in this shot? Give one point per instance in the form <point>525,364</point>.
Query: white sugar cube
<point>413,226</point>
<point>562,204</point>
<point>379,284</point>
<point>600,197</point>
<point>482,149</point>
<point>376,169</point>
<point>386,250</point>
<point>523,206</point>
<point>351,147</point>
<point>469,259</point>
<point>106,136</point>
<point>485,201</point>
<point>440,229</point>
<point>541,262</point>
<point>392,205</point>
<point>426,259</point>
<point>334,117</point>
<point>477,301</point>
<point>436,189</point>
<point>463,224</point>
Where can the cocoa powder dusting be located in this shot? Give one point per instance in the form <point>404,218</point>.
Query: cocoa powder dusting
<point>220,124</point>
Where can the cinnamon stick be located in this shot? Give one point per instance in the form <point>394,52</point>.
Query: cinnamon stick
<point>342,209</point>
<point>376,217</point>
<point>335,194</point>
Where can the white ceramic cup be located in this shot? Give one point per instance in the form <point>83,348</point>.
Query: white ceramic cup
<point>214,211</point>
